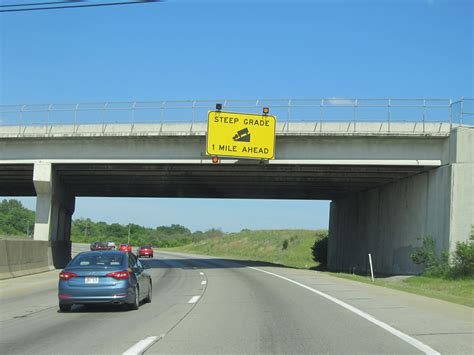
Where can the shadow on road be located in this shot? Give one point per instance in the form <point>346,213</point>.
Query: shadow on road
<point>102,308</point>
<point>203,263</point>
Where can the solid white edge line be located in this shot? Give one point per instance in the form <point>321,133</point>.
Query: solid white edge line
<point>140,347</point>
<point>408,339</point>
<point>194,299</point>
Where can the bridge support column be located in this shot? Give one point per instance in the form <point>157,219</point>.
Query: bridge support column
<point>54,210</point>
<point>389,221</point>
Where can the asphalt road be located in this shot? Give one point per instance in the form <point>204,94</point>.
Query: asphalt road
<point>216,306</point>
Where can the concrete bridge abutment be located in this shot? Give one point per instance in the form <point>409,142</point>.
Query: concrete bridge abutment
<point>389,221</point>
<point>54,209</point>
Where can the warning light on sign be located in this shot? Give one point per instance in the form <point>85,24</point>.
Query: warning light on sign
<point>218,107</point>
<point>266,110</point>
<point>215,160</point>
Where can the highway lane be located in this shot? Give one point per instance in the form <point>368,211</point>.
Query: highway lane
<point>237,309</point>
<point>104,330</point>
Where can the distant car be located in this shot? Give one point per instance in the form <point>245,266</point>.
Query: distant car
<point>104,277</point>
<point>145,251</point>
<point>125,247</point>
<point>99,246</point>
<point>111,245</point>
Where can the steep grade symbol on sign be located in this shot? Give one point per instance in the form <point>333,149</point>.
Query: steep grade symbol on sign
<point>242,136</point>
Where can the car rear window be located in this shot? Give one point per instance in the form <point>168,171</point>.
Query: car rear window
<point>88,260</point>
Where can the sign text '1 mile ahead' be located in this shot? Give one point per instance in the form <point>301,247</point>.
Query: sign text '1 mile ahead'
<point>241,135</point>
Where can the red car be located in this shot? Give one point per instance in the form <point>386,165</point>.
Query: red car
<point>99,246</point>
<point>145,250</point>
<point>125,247</point>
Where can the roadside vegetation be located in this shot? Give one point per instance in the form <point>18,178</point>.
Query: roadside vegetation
<point>458,265</point>
<point>16,221</point>
<point>446,277</point>
<point>87,231</point>
<point>285,247</point>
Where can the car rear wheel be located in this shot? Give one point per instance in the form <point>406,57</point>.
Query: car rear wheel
<point>148,297</point>
<point>65,307</point>
<point>134,306</point>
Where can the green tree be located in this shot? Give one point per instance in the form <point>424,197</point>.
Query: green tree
<point>320,250</point>
<point>16,219</point>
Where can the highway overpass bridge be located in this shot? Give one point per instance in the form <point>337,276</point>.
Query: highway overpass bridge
<point>390,181</point>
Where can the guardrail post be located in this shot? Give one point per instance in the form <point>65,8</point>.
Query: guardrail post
<point>21,119</point>
<point>462,110</point>
<point>134,104</point>
<point>75,118</point>
<point>389,113</point>
<point>48,119</point>
<point>289,110</point>
<point>450,114</point>
<point>424,113</point>
<point>321,115</point>
<point>104,110</point>
<point>193,114</point>
<point>162,111</point>
<point>355,114</point>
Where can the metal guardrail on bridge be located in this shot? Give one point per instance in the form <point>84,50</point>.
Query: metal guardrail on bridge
<point>387,111</point>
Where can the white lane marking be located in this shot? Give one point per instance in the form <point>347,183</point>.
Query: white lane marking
<point>143,345</point>
<point>203,282</point>
<point>194,299</point>
<point>412,341</point>
<point>201,273</point>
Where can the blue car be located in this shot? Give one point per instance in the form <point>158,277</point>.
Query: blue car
<point>104,277</point>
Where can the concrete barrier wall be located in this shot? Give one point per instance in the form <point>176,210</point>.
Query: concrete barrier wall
<point>24,257</point>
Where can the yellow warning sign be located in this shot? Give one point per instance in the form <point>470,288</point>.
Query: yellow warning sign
<point>241,135</point>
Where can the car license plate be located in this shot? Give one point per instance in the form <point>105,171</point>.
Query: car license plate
<point>92,280</point>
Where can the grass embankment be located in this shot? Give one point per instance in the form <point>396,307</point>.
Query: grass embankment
<point>264,245</point>
<point>459,291</point>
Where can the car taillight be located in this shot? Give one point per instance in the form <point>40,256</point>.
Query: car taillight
<point>65,275</point>
<point>119,275</point>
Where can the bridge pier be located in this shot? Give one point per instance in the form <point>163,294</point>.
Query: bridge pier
<point>54,209</point>
<point>389,220</point>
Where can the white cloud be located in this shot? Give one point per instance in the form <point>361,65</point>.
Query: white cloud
<point>341,102</point>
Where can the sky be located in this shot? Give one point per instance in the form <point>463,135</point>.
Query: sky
<point>236,50</point>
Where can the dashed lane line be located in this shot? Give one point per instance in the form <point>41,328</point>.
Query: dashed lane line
<point>194,299</point>
<point>140,347</point>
